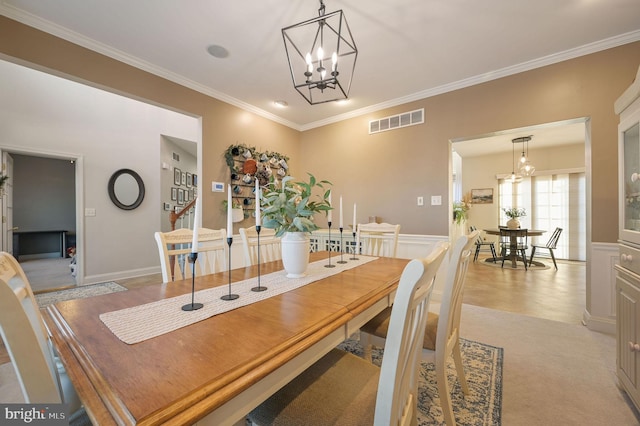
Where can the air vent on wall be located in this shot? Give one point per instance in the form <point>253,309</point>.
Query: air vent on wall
<point>410,118</point>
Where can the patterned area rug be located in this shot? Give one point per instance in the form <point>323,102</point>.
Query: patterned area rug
<point>483,369</point>
<point>80,292</point>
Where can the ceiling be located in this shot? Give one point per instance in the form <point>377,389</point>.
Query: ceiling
<point>408,49</point>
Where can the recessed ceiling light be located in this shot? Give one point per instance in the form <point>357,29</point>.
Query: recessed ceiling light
<point>217,51</point>
<point>281,104</point>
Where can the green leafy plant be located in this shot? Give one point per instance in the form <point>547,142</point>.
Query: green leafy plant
<point>290,206</point>
<point>514,212</point>
<point>3,180</point>
<point>459,212</point>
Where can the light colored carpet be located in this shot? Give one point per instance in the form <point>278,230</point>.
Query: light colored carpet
<point>554,373</point>
<point>81,292</point>
<point>46,274</point>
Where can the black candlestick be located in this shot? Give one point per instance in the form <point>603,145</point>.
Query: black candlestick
<point>341,250</point>
<point>355,248</point>
<point>229,296</point>
<point>192,306</point>
<point>329,265</point>
<point>258,288</point>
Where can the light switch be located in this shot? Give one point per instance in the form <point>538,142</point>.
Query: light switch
<point>421,201</point>
<point>436,200</point>
<point>89,212</point>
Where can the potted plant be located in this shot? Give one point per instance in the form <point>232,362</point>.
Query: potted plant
<point>288,208</point>
<point>514,213</point>
<point>460,209</point>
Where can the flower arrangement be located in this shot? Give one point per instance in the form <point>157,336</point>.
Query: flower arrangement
<point>460,209</point>
<point>289,207</point>
<point>514,212</point>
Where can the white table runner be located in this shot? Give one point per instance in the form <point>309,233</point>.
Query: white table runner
<point>139,323</point>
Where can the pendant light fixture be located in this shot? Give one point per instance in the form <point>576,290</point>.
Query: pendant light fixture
<point>526,167</point>
<point>514,177</point>
<point>322,56</point>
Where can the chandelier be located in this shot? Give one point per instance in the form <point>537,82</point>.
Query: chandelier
<point>322,56</point>
<point>525,167</point>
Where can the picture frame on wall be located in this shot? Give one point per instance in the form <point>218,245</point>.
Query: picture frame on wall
<point>184,179</point>
<point>186,196</point>
<point>177,176</point>
<point>482,196</point>
<point>194,179</point>
<point>180,196</point>
<point>166,206</point>
<point>189,180</point>
<point>174,194</point>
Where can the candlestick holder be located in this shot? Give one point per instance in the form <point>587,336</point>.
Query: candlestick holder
<point>258,288</point>
<point>229,296</point>
<point>355,248</point>
<point>329,265</point>
<point>341,249</point>
<point>192,306</point>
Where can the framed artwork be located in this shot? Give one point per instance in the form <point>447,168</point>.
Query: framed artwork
<point>194,179</point>
<point>166,206</point>
<point>177,176</point>
<point>482,196</point>
<point>186,195</point>
<point>184,179</point>
<point>180,196</point>
<point>189,180</point>
<point>174,194</point>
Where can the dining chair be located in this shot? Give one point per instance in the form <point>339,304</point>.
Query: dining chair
<point>342,388</point>
<point>377,239</point>
<point>174,248</point>
<point>441,338</point>
<point>514,241</point>
<point>550,245</point>
<point>483,245</point>
<point>270,247</point>
<point>40,372</point>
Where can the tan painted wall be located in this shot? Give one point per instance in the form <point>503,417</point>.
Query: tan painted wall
<point>383,173</point>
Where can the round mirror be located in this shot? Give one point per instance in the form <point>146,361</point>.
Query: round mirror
<point>126,189</point>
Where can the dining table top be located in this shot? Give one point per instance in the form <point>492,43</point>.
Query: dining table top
<point>530,232</point>
<point>184,375</point>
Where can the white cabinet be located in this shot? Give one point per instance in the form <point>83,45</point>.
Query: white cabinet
<point>628,270</point>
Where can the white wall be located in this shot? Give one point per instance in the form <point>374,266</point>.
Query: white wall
<point>44,114</point>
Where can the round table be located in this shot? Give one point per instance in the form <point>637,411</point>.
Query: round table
<point>513,254</point>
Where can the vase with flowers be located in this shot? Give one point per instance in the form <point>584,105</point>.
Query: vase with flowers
<point>289,207</point>
<point>513,213</point>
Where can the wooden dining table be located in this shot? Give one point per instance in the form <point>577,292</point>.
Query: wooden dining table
<point>217,370</point>
<point>513,243</point>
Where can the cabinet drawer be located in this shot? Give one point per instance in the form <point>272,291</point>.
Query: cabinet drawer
<point>630,258</point>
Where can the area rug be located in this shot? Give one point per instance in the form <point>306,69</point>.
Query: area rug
<point>79,292</point>
<point>483,369</point>
<point>519,265</point>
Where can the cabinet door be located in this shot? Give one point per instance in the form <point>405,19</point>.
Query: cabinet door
<point>629,179</point>
<point>628,314</point>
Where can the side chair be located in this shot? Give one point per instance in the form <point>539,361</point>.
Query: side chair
<point>442,333</point>
<point>270,246</point>
<point>342,388</point>
<point>175,246</point>
<point>40,372</point>
<point>550,245</point>
<point>377,239</point>
<point>514,241</point>
<point>483,245</point>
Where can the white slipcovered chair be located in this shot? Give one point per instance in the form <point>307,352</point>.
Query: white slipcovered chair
<point>377,239</point>
<point>40,372</point>
<point>342,388</point>
<point>174,248</point>
<point>442,336</point>
<point>270,247</point>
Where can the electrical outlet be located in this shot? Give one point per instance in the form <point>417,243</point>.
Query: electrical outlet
<point>436,200</point>
<point>421,201</point>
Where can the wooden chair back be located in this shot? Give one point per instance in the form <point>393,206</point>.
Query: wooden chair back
<point>174,248</point>
<point>270,247</point>
<point>553,239</point>
<point>26,339</point>
<point>377,239</point>
<point>396,400</point>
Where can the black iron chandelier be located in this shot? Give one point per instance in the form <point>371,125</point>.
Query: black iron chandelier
<point>322,56</point>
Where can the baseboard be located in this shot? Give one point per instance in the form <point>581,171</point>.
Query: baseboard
<point>93,279</point>
<point>601,325</point>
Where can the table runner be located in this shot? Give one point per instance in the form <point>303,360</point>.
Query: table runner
<point>139,323</point>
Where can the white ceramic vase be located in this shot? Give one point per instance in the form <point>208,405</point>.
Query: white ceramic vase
<point>513,223</point>
<point>295,253</point>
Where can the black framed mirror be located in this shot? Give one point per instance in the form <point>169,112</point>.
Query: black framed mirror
<point>126,189</point>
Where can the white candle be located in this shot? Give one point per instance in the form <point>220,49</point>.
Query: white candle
<point>341,221</point>
<point>258,213</point>
<point>194,243</point>
<point>354,217</point>
<point>229,213</point>
<point>329,212</point>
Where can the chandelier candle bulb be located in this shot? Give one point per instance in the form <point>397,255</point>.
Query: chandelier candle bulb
<point>334,59</point>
